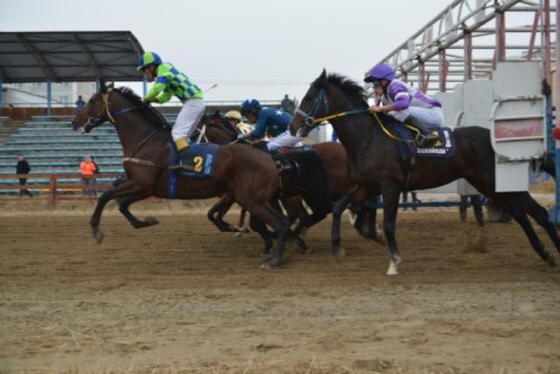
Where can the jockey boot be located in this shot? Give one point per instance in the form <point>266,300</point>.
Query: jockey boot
<point>187,159</point>
<point>425,135</point>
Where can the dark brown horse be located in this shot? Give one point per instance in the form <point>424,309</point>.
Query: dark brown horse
<point>145,137</point>
<point>377,165</point>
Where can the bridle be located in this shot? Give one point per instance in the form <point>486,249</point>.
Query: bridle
<point>104,113</point>
<point>321,100</point>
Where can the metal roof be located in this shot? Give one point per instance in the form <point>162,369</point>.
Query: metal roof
<point>69,56</point>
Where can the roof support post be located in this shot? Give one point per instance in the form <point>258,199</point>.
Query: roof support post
<point>468,71</point>
<point>49,97</point>
<point>443,68</point>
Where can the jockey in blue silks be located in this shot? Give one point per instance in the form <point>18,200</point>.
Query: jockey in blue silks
<point>268,121</point>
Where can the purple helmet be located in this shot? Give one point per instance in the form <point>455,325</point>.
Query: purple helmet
<point>378,72</point>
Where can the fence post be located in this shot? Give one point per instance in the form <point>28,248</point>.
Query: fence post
<point>52,191</point>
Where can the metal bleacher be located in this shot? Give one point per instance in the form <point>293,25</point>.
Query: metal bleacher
<point>51,147</point>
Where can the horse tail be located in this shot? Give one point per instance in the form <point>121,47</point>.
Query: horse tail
<point>308,178</point>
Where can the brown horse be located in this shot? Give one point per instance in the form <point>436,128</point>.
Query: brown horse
<point>334,163</point>
<point>377,163</point>
<point>145,137</point>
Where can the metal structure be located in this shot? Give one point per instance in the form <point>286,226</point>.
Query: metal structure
<point>468,38</point>
<point>72,56</point>
<point>460,49</point>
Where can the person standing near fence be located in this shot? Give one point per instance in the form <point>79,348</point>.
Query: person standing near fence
<point>87,168</point>
<point>23,167</point>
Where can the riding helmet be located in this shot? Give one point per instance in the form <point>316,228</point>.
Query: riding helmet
<point>378,72</point>
<point>233,114</point>
<point>147,59</point>
<point>249,105</point>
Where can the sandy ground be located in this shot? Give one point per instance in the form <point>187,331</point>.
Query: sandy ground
<point>182,297</point>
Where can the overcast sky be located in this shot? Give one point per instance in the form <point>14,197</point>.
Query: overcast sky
<point>250,48</point>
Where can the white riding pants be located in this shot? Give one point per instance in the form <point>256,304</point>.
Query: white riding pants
<point>284,140</point>
<point>430,117</point>
<point>188,118</point>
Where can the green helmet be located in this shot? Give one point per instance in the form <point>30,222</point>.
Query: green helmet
<point>147,59</point>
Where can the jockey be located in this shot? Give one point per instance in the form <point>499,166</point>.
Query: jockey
<point>269,121</point>
<point>171,82</point>
<point>234,119</point>
<point>406,103</point>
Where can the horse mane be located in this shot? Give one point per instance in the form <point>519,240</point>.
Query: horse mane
<point>152,115</point>
<point>356,94</point>
<point>351,88</point>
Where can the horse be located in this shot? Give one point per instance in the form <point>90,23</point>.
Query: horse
<point>334,161</point>
<point>145,136</point>
<point>377,164</point>
<point>216,129</point>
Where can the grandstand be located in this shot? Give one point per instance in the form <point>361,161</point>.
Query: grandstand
<point>51,147</point>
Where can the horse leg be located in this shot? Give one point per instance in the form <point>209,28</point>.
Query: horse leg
<point>295,210</point>
<point>124,204</point>
<point>281,225</point>
<point>260,228</point>
<point>477,208</point>
<point>127,189</point>
<point>241,223</point>
<point>390,208</point>
<point>338,208</point>
<point>518,205</point>
<point>218,211</point>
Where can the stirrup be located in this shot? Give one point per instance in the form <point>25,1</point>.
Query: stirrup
<point>184,167</point>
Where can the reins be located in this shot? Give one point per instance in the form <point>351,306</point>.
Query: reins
<point>311,121</point>
<point>111,118</point>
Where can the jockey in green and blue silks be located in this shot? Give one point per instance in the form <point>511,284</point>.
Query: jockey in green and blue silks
<point>271,122</point>
<point>171,82</point>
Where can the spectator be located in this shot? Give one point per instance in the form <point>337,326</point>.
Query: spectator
<point>288,105</point>
<point>23,167</point>
<point>88,169</point>
<point>476,201</point>
<point>413,200</point>
<point>80,104</point>
<point>94,179</point>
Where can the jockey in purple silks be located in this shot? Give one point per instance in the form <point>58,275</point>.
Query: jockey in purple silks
<point>406,103</point>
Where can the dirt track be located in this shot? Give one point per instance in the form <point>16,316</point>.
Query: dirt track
<point>181,297</point>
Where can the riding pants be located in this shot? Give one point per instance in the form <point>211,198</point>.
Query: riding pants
<point>188,119</point>
<point>431,117</point>
<point>284,140</point>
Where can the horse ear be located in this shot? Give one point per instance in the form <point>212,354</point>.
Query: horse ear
<point>217,113</point>
<point>111,85</point>
<point>323,76</point>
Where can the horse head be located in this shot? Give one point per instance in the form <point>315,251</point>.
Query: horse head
<point>96,111</point>
<point>329,97</point>
<point>314,104</point>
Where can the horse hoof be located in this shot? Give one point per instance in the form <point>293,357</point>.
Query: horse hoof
<point>269,264</point>
<point>151,221</point>
<point>339,255</point>
<point>98,235</point>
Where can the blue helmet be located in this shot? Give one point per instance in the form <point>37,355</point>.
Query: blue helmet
<point>249,105</point>
<point>378,72</point>
<point>147,59</point>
